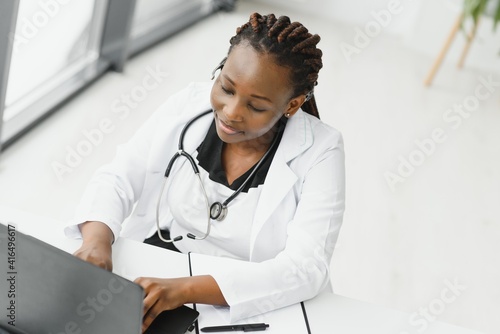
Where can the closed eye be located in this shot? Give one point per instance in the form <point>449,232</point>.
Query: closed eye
<point>227,91</point>
<point>230,92</point>
<point>256,109</point>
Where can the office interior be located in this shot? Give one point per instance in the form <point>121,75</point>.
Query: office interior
<point>422,158</point>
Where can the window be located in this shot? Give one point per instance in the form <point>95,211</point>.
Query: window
<point>40,32</point>
<point>53,44</point>
<point>51,49</point>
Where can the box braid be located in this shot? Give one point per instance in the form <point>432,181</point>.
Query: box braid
<point>292,46</point>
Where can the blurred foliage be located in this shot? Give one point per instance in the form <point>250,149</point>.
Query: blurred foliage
<point>475,8</point>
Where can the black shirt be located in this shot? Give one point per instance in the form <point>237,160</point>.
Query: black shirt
<point>210,158</point>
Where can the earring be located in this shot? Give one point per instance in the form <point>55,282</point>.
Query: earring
<point>219,67</point>
<point>287,115</point>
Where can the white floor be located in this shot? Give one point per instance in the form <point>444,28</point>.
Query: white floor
<point>401,247</point>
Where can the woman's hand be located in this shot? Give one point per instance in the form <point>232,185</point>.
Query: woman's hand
<point>170,293</point>
<point>97,253</point>
<point>160,295</point>
<point>96,246</point>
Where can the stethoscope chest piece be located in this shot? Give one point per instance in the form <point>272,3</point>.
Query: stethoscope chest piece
<point>218,211</point>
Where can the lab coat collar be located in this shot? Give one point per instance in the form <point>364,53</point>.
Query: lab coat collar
<point>297,138</point>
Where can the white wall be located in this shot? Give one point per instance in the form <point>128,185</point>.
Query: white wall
<point>434,25</point>
<point>357,12</point>
<point>422,24</point>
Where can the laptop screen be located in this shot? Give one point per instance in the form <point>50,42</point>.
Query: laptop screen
<point>46,290</point>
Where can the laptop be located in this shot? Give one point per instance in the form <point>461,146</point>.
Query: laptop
<point>45,290</point>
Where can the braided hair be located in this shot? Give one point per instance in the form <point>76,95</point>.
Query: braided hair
<point>292,46</point>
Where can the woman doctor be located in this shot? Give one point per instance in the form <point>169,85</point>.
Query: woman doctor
<point>274,171</point>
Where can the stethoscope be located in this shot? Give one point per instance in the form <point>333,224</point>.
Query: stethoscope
<point>216,211</point>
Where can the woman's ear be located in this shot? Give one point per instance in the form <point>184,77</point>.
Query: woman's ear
<point>294,105</point>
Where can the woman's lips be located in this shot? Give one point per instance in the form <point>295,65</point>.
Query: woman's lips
<point>227,129</point>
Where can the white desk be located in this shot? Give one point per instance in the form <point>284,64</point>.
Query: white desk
<point>329,313</point>
<point>287,320</point>
<point>326,313</point>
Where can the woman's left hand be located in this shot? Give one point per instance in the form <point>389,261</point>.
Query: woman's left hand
<point>170,293</point>
<point>161,294</point>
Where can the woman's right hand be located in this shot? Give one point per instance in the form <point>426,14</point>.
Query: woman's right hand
<point>97,253</point>
<point>96,246</point>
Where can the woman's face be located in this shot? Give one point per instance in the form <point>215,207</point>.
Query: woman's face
<point>249,96</point>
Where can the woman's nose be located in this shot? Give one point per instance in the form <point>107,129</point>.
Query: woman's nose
<point>233,112</point>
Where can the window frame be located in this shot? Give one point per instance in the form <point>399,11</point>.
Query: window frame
<point>8,17</point>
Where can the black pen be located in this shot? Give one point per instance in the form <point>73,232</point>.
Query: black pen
<point>231,328</point>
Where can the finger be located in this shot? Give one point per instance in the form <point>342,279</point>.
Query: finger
<point>78,253</point>
<point>149,299</point>
<point>149,316</point>
<point>108,264</point>
<point>149,302</point>
<point>100,262</point>
<point>96,260</point>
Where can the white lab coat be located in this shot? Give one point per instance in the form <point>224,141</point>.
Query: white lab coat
<point>298,216</point>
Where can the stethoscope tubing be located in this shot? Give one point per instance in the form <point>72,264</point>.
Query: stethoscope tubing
<point>183,153</point>
<point>221,208</point>
<point>190,235</point>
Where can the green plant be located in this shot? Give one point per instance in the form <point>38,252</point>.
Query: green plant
<point>475,8</point>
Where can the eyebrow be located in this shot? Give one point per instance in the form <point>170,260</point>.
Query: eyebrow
<point>252,95</point>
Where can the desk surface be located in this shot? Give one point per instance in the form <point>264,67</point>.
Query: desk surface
<point>326,313</point>
<point>329,313</point>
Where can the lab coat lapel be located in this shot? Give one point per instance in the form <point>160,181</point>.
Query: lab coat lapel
<point>280,178</point>
<point>197,132</point>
